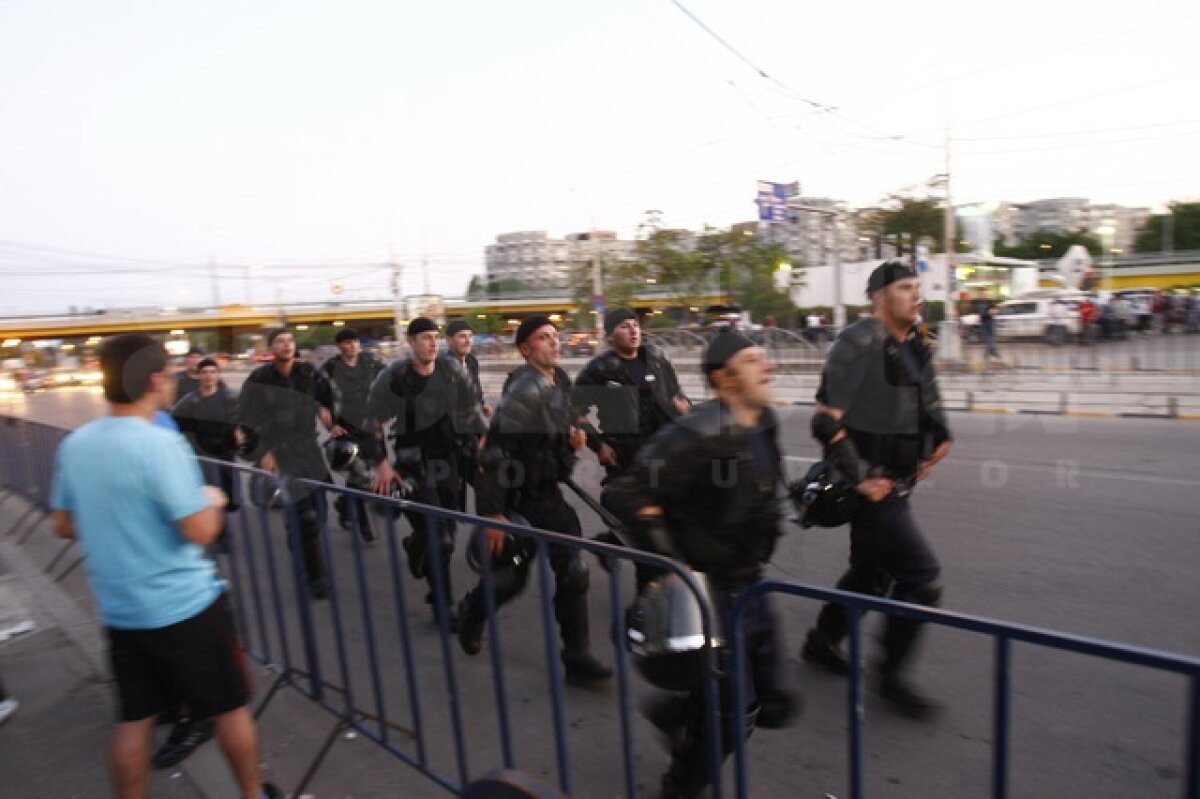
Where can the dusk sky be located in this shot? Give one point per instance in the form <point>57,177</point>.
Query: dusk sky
<point>298,144</point>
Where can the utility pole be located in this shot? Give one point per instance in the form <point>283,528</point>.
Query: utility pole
<point>949,236</point>
<point>597,288</point>
<point>397,303</point>
<point>216,283</point>
<point>949,341</point>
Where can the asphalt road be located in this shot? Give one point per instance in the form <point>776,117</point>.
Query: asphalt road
<point>1081,525</point>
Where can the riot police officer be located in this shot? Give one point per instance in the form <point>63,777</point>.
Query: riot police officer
<point>350,374</point>
<point>460,341</point>
<point>708,484</point>
<point>880,419</point>
<point>635,391</point>
<point>429,403</point>
<point>278,407</point>
<point>531,445</point>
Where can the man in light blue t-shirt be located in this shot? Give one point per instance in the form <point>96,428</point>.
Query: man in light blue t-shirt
<point>131,493</point>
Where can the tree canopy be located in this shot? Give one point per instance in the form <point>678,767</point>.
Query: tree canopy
<point>1179,230</point>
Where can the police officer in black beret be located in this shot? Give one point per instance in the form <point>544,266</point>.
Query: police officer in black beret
<point>709,484</point>
<point>635,391</point>
<point>633,388</point>
<point>531,445</point>
<point>429,403</point>
<point>880,419</point>
<point>350,374</point>
<point>277,408</point>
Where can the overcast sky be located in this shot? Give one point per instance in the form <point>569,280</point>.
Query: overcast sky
<point>299,143</point>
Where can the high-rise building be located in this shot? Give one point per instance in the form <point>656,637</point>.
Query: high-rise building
<point>536,260</point>
<point>1116,226</point>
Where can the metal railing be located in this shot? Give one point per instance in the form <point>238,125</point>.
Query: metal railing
<point>448,717</point>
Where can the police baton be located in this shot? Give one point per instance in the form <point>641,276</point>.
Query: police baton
<point>616,526</point>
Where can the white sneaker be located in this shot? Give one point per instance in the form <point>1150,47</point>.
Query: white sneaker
<point>6,709</point>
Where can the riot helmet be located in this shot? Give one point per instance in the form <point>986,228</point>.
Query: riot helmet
<point>823,498</point>
<point>341,452</point>
<point>665,632</point>
<point>514,554</point>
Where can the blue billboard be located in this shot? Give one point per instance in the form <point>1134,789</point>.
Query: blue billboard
<point>773,199</point>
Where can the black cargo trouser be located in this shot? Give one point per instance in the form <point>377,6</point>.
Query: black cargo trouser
<point>546,509</point>
<point>889,556</point>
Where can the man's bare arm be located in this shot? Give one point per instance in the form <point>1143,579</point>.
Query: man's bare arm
<point>63,523</point>
<point>203,526</point>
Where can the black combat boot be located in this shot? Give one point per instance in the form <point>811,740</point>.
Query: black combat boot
<point>580,666</point>
<point>820,651</point>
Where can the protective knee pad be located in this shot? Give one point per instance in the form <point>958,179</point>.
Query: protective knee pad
<point>928,594</point>
<point>574,578</point>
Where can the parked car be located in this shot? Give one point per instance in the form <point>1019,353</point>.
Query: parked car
<point>580,343</point>
<point>1036,318</point>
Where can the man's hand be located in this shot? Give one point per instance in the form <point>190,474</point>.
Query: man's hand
<point>607,455</point>
<point>269,463</point>
<point>682,404</point>
<point>337,431</point>
<point>927,467</point>
<point>876,488</point>
<point>487,411</point>
<point>496,538</point>
<point>325,416</point>
<point>216,497</point>
<point>578,439</point>
<point>385,475</point>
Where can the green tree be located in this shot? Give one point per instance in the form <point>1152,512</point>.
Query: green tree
<point>668,258</point>
<point>1044,244</point>
<point>1181,226</point>
<point>905,220</point>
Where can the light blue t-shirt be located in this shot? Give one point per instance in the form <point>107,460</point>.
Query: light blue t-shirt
<point>126,484</point>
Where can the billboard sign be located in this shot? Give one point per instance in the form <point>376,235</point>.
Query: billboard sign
<point>773,199</point>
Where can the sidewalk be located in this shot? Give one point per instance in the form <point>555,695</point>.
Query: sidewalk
<point>53,746</point>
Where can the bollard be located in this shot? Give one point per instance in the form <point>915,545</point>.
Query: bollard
<point>1064,403</point>
<point>1172,407</point>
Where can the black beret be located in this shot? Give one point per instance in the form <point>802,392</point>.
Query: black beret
<point>887,273</point>
<point>276,333</point>
<point>346,334</point>
<point>724,346</point>
<point>422,324</point>
<point>528,327</point>
<point>457,326</point>
<point>615,317</point>
<point>195,351</point>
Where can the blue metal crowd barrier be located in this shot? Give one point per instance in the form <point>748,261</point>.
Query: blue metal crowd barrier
<point>342,654</point>
<point>1004,635</point>
<point>274,610</point>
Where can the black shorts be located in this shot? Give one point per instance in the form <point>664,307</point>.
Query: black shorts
<point>197,662</point>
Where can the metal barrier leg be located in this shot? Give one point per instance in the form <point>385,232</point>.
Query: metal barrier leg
<point>550,631</point>
<point>856,709</point>
<point>19,523</point>
<point>74,565</point>
<point>1002,710</point>
<point>342,724</point>
<point>1191,789</point>
<point>66,547</point>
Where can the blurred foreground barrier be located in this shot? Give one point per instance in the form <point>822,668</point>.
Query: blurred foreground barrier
<point>364,657</point>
